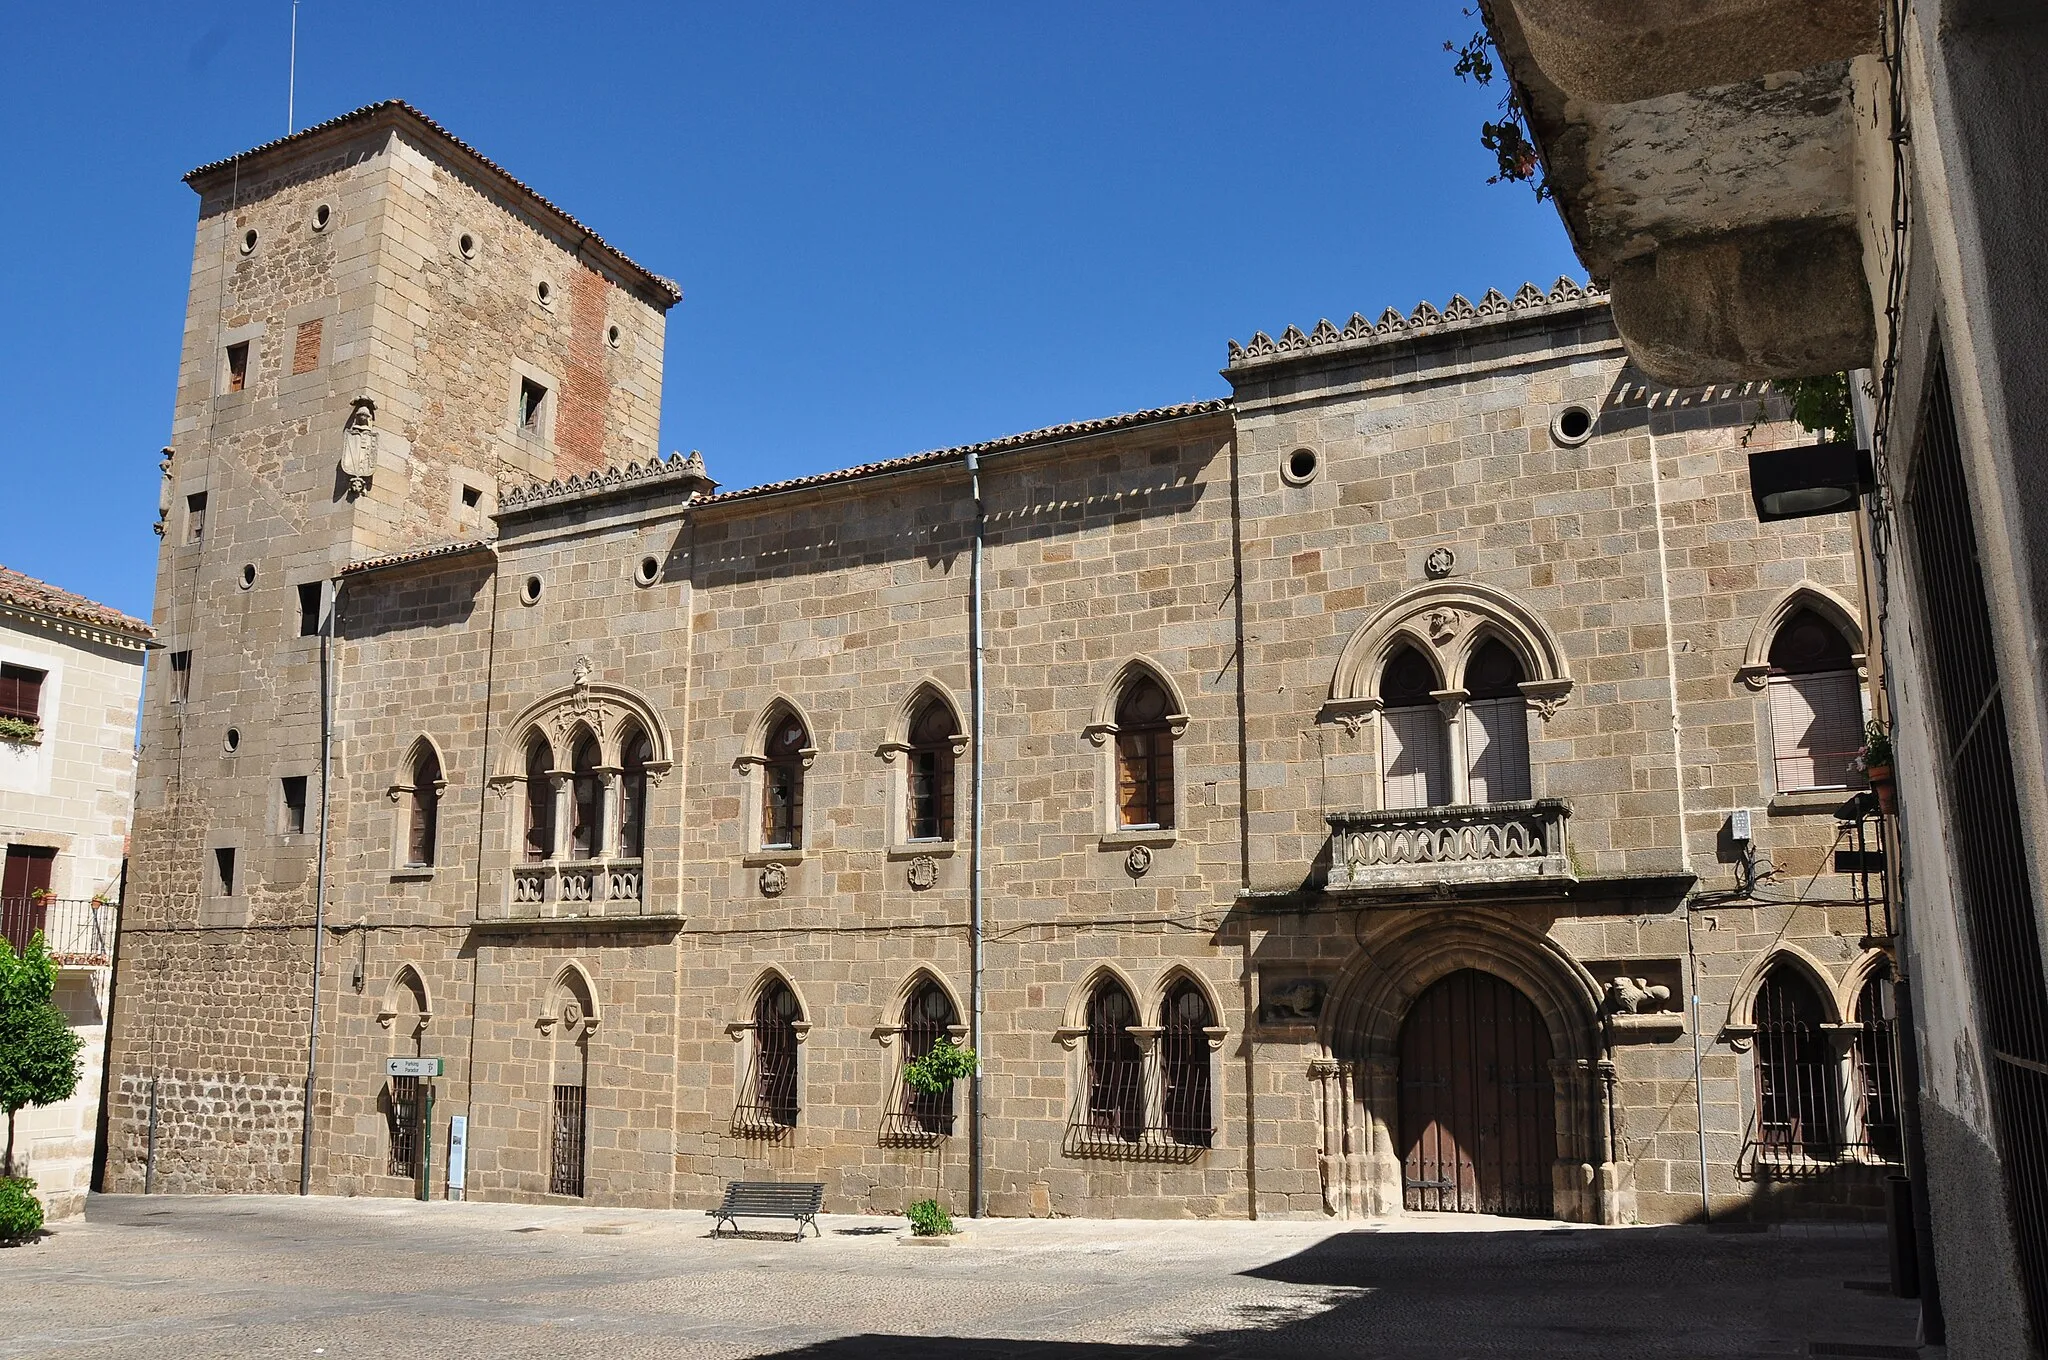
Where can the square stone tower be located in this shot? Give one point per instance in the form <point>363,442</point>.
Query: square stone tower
<point>382,325</point>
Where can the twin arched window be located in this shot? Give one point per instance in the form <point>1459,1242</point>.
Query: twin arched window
<point>1819,1098</point>
<point>1465,745</point>
<point>1816,705</point>
<point>598,826</point>
<point>1129,1100</point>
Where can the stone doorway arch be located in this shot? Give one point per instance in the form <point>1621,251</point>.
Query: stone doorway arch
<point>1359,1078</point>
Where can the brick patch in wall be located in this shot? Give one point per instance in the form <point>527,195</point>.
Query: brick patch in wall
<point>306,347</point>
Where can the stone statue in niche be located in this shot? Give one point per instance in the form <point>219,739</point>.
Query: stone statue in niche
<point>359,445</point>
<point>163,489</point>
<point>1291,1001</point>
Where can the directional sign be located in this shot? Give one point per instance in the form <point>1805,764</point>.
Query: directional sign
<point>412,1067</point>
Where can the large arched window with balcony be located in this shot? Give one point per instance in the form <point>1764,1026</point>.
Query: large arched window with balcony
<point>1816,704</point>
<point>637,750</point>
<point>782,783</point>
<point>539,837</point>
<point>1798,1078</point>
<point>931,763</point>
<point>1186,1085</point>
<point>1495,726</point>
<point>1144,755</point>
<point>586,800</point>
<point>1414,765</point>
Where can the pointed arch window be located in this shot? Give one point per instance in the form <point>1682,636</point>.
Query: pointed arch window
<point>1798,1080</point>
<point>540,802</point>
<point>638,751</point>
<point>1116,1066</point>
<point>586,800</point>
<point>1414,764</point>
<point>927,1018</point>
<point>931,773</point>
<point>1816,705</point>
<point>1144,756</point>
<point>1185,1081</point>
<point>1495,718</point>
<point>782,784</point>
<point>423,822</point>
<point>768,1093</point>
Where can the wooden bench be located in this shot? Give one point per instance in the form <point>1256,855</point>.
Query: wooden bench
<point>770,1199</point>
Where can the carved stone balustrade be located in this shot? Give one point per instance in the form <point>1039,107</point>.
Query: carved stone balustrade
<point>1473,844</point>
<point>574,888</point>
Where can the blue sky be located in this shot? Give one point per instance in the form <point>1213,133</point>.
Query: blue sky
<point>896,227</point>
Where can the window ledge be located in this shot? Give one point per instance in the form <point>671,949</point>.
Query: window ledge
<point>1125,838</point>
<point>760,859</point>
<point>1809,802</point>
<point>413,873</point>
<point>915,849</point>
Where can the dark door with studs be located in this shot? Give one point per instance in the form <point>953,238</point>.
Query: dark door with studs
<point>1478,1118</point>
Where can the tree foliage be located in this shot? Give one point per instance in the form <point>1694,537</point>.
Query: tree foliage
<point>928,1218</point>
<point>38,1049</point>
<point>936,1071</point>
<point>1507,137</point>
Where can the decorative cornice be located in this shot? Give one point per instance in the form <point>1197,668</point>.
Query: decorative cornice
<point>632,477</point>
<point>1457,314</point>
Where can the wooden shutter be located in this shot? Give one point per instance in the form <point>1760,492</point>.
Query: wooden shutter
<point>1412,763</point>
<point>21,693</point>
<point>1497,750</point>
<point>1816,729</point>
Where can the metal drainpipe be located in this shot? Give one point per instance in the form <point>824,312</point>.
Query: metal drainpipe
<point>320,883</point>
<point>977,1192</point>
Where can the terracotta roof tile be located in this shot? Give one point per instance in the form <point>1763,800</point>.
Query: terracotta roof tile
<point>411,555</point>
<point>398,111</point>
<point>19,591</point>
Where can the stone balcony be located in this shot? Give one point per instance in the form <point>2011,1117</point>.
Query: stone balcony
<point>1471,845</point>
<point>575,890</point>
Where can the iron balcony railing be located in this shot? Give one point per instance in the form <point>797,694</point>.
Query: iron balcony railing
<point>79,933</point>
<point>1813,1118</point>
<point>1118,1115</point>
<point>1468,843</point>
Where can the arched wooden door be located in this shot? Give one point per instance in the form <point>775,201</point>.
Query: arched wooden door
<point>1478,1118</point>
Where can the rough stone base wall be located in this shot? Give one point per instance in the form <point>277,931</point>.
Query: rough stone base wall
<point>216,1133</point>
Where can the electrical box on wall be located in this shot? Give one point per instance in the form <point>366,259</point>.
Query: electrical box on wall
<point>1738,826</point>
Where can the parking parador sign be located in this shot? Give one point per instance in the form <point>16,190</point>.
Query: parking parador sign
<point>412,1067</point>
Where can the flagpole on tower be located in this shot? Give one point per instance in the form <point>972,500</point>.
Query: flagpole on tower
<point>291,79</point>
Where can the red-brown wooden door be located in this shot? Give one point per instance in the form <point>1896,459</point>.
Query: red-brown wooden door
<point>1478,1119</point>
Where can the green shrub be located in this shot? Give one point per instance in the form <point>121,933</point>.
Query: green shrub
<point>929,1219</point>
<point>21,1213</point>
<point>936,1071</point>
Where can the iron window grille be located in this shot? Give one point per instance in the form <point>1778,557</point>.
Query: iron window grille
<point>1826,1096</point>
<point>566,1153</point>
<point>768,1107</point>
<point>1136,1105</point>
<point>405,1107</point>
<point>920,1118</point>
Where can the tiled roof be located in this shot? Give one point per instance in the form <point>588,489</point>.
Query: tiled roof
<point>632,477</point>
<point>412,555</point>
<point>1457,314</point>
<point>398,111</point>
<point>18,591</point>
<point>1049,435</point>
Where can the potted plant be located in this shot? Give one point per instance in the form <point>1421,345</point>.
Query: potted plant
<point>1876,762</point>
<point>20,731</point>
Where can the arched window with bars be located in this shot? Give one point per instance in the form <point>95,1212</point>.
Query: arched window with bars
<point>1816,705</point>
<point>1495,721</point>
<point>1877,1073</point>
<point>1414,764</point>
<point>1798,1077</point>
<point>638,750</point>
<point>540,802</point>
<point>782,783</point>
<point>927,1018</point>
<point>1144,755</point>
<point>1116,1066</point>
<point>929,807</point>
<point>1185,1081</point>
<point>768,1093</point>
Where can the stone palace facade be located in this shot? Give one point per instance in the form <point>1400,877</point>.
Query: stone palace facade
<point>1411,782</point>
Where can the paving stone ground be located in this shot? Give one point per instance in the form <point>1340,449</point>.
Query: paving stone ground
<point>273,1276</point>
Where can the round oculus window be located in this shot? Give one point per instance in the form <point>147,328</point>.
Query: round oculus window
<point>234,739</point>
<point>611,336</point>
<point>322,215</point>
<point>544,291</point>
<point>249,241</point>
<point>1300,467</point>
<point>648,572</point>
<point>248,575</point>
<point>1572,426</point>
<point>529,592</point>
<point>466,244</point>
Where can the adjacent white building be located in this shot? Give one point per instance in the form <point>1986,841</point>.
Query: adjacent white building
<point>70,680</point>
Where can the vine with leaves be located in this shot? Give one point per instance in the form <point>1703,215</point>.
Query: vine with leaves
<point>1507,137</point>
